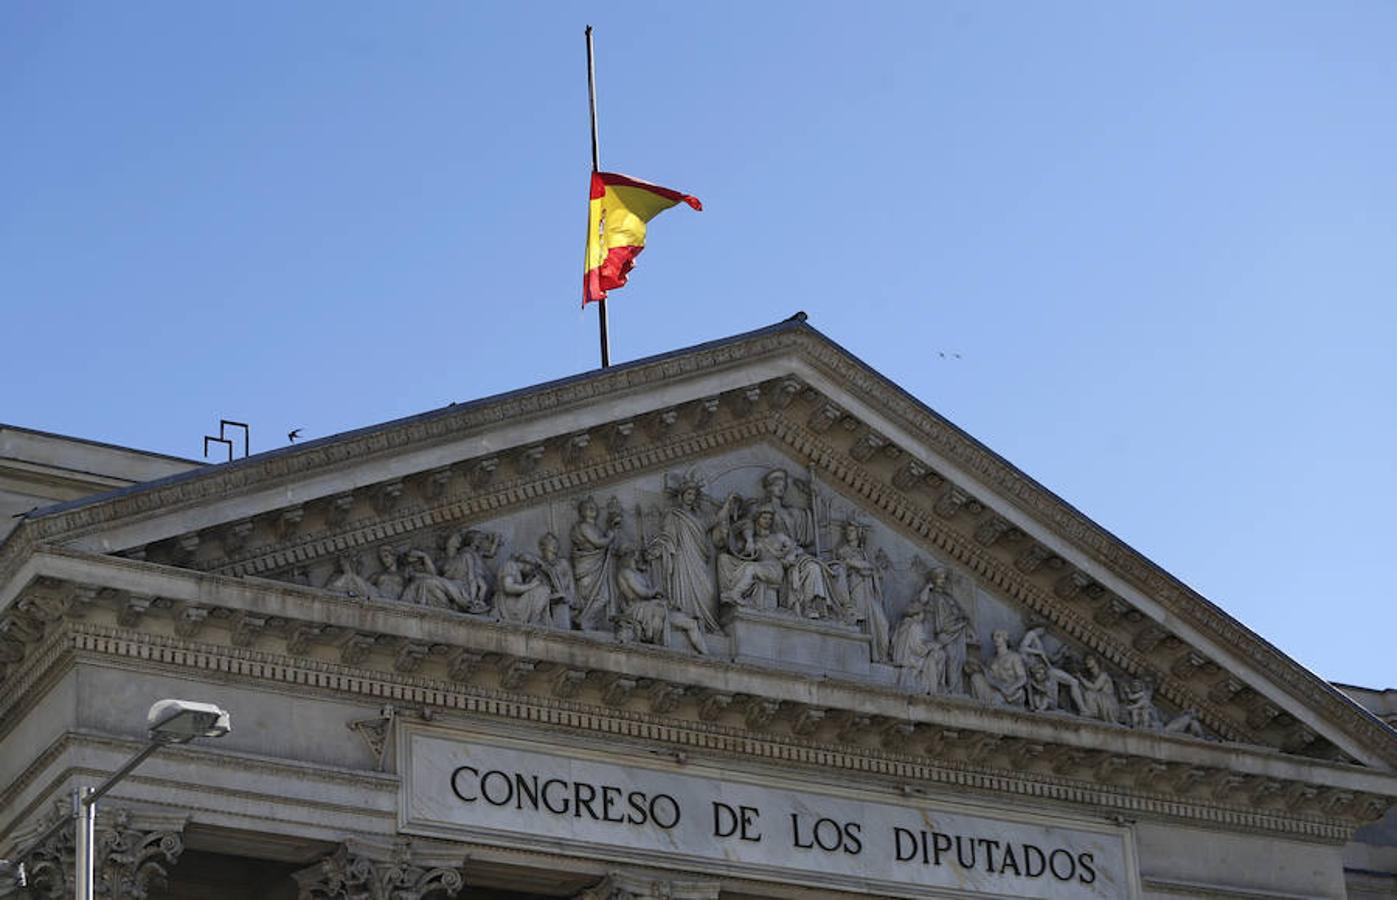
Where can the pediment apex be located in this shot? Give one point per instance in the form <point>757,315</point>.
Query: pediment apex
<point>792,388</point>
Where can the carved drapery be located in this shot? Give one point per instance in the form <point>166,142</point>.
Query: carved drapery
<point>131,857</point>
<point>352,873</point>
<point>623,886</point>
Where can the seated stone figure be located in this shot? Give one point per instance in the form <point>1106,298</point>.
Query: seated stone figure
<point>1098,692</point>
<point>1004,681</point>
<point>347,580</point>
<point>919,659</point>
<point>1141,712</point>
<point>427,588</point>
<point>522,595</point>
<point>766,570</point>
<point>646,615</point>
<point>1045,679</point>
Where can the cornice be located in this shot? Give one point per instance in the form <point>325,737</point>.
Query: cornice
<point>682,713</point>
<point>860,382</point>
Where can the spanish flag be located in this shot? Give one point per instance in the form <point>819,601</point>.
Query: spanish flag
<point>616,217</point>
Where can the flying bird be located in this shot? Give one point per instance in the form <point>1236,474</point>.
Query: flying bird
<point>293,434</point>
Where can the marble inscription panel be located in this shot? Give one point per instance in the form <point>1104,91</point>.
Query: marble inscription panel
<point>711,820</point>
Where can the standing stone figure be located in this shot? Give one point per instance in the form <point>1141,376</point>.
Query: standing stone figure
<point>555,570</point>
<point>347,580</point>
<point>389,581</point>
<point>864,586</point>
<point>950,626</point>
<point>594,547</point>
<point>522,595</point>
<point>645,615</point>
<point>798,523</point>
<point>466,552</point>
<point>1098,692</point>
<point>683,552</point>
<point>920,661</point>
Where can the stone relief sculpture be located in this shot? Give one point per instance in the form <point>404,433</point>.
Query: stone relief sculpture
<point>1141,712</point>
<point>1098,692</point>
<point>426,588</point>
<point>683,553</point>
<point>863,585</point>
<point>466,553</point>
<point>522,595</point>
<point>389,582</point>
<point>646,614</point>
<point>594,546</point>
<point>346,579</point>
<point>766,569</point>
<point>950,626</point>
<point>798,524</point>
<point>920,661</point>
<point>1004,680</point>
<point>761,554</point>
<point>1046,680</point>
<point>557,572</point>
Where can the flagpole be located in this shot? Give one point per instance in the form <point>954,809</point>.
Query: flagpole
<point>596,167</point>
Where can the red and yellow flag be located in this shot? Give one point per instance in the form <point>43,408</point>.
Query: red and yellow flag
<point>616,217</point>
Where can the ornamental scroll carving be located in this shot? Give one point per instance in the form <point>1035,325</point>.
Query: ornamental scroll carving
<point>621,886</point>
<point>675,566</point>
<point>132,857</point>
<point>351,873</point>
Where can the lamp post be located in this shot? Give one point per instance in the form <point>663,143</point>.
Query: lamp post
<point>169,722</point>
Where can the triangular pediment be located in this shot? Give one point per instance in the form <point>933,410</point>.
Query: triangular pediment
<point>432,510</point>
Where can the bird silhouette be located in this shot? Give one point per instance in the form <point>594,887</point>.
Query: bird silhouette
<point>293,434</point>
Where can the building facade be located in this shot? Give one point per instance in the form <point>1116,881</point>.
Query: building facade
<point>742,621</point>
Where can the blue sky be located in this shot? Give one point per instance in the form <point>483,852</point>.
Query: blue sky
<point>1161,237</point>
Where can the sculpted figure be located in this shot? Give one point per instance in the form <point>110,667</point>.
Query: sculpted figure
<point>864,587</point>
<point>522,595</point>
<point>347,580</point>
<point>1006,677</point>
<point>466,552</point>
<point>562,596</point>
<point>746,575</point>
<point>427,588</point>
<point>1098,692</point>
<point>920,661</point>
<point>798,524</point>
<point>594,545</point>
<point>1142,713</point>
<point>389,581</point>
<point>645,614</point>
<point>683,553</point>
<point>768,563</point>
<point>950,625</point>
<point>1044,687</point>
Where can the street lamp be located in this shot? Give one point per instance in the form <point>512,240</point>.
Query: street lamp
<point>169,722</point>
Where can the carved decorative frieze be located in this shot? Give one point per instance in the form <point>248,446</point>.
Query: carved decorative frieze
<point>245,628</point>
<point>483,471</point>
<point>131,857</point>
<point>351,874</point>
<point>462,665</point>
<point>823,417</point>
<point>621,886</point>
<point>337,512</point>
<point>133,609</point>
<point>375,732</point>
<point>189,619</point>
